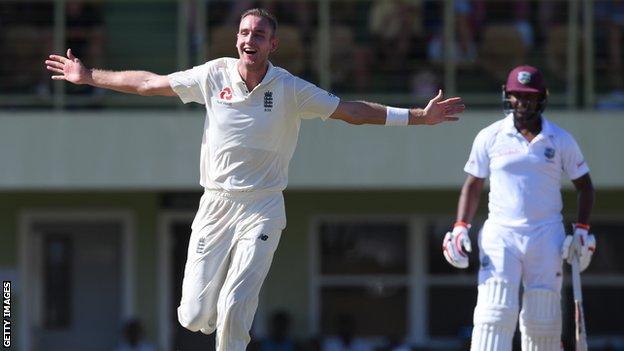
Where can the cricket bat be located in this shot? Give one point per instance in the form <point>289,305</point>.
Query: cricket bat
<point>580,334</point>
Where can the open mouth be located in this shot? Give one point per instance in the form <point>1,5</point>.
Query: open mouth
<point>249,51</point>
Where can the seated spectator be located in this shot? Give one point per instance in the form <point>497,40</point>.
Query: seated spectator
<point>610,20</point>
<point>133,337</point>
<point>279,330</point>
<point>516,13</point>
<point>26,37</point>
<point>396,27</point>
<point>85,36</point>
<point>347,338</point>
<point>395,343</point>
<point>465,51</point>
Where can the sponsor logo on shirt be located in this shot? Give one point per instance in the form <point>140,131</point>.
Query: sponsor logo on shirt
<point>506,152</point>
<point>268,101</point>
<point>226,94</point>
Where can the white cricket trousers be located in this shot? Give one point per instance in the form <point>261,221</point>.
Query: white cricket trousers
<point>510,257</point>
<point>531,256</point>
<point>230,251</point>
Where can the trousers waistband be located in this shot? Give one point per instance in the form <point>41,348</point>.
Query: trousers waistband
<point>241,195</point>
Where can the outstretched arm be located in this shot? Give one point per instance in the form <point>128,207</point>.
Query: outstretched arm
<point>469,199</point>
<point>71,69</point>
<point>437,111</point>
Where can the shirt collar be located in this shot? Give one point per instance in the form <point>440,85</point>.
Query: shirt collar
<point>510,128</point>
<point>547,129</point>
<point>508,125</point>
<point>238,80</point>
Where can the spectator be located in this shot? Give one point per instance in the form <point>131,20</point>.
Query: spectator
<point>279,338</point>
<point>396,27</point>
<point>26,37</point>
<point>517,12</point>
<point>85,35</point>
<point>346,339</point>
<point>133,337</point>
<point>465,48</point>
<point>610,21</point>
<point>395,343</point>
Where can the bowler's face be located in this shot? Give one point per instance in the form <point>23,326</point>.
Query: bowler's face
<point>255,42</point>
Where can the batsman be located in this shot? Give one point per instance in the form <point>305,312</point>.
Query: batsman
<point>523,240</point>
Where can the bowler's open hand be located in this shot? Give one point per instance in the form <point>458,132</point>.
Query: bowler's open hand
<point>438,110</point>
<point>68,68</point>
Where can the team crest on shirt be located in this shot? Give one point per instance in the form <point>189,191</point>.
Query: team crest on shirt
<point>549,153</point>
<point>268,101</point>
<point>226,94</point>
<point>485,262</point>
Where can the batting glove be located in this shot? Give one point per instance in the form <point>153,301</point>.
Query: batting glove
<point>580,243</point>
<point>455,243</point>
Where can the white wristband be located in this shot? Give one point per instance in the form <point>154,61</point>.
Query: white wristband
<point>397,116</point>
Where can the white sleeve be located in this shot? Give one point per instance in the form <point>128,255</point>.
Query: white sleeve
<point>572,159</point>
<point>478,163</point>
<point>313,101</point>
<point>190,85</point>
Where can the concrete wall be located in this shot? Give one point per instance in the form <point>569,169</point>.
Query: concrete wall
<point>160,150</point>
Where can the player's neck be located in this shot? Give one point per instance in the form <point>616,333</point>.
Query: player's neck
<point>529,129</point>
<point>251,75</point>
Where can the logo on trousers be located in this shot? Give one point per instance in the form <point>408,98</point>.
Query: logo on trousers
<point>201,245</point>
<point>263,237</point>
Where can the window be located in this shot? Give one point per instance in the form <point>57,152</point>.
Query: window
<point>364,263</point>
<point>57,307</point>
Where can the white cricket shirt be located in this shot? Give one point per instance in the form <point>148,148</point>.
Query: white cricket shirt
<point>525,178</point>
<point>249,137</point>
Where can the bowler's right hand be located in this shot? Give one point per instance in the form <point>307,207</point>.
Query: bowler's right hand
<point>68,68</point>
<point>455,243</point>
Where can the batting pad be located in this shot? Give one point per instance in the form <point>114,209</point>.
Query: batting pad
<point>540,320</point>
<point>495,316</point>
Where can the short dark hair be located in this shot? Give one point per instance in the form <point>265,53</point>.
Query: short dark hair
<point>264,14</point>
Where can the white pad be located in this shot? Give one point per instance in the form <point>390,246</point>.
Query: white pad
<point>540,320</point>
<point>495,316</point>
